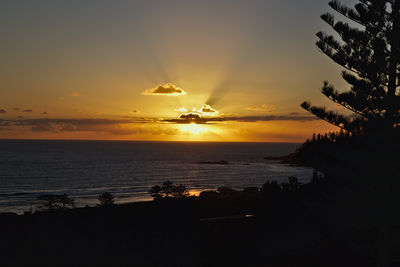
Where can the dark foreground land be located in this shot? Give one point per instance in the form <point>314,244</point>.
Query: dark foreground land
<point>287,229</point>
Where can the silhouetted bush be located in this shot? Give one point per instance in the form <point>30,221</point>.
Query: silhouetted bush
<point>179,191</point>
<point>292,185</point>
<point>106,199</point>
<point>55,202</point>
<point>155,192</point>
<point>317,177</point>
<point>29,211</point>
<point>225,191</point>
<point>251,190</point>
<point>270,188</point>
<point>168,190</point>
<point>209,195</point>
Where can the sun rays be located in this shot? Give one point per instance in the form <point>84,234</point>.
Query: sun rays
<point>193,129</point>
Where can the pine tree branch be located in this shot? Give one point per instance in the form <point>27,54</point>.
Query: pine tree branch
<point>321,113</point>
<point>337,49</point>
<point>364,2</point>
<point>341,64</point>
<point>345,11</point>
<point>348,107</point>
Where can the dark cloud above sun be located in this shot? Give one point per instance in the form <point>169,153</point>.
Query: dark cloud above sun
<point>167,89</point>
<point>190,115</point>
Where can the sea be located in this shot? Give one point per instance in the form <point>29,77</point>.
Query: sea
<point>128,169</point>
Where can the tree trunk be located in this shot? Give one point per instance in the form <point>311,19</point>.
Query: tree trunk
<point>393,64</point>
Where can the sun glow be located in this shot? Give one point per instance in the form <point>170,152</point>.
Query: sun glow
<point>193,129</point>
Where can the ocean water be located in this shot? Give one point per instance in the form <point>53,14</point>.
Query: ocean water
<point>127,169</point>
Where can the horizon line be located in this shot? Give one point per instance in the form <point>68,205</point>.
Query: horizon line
<point>158,141</point>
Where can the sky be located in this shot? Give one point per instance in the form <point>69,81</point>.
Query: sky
<point>176,70</point>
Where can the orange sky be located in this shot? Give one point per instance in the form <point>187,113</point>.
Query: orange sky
<point>133,70</point>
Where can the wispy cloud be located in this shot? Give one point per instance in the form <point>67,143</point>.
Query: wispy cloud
<point>27,110</point>
<point>168,89</point>
<point>272,118</point>
<point>127,126</point>
<point>3,111</point>
<point>74,94</point>
<point>193,118</point>
<point>69,125</point>
<point>133,125</point>
<point>262,108</point>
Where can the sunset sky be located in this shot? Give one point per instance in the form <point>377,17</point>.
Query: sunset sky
<point>144,70</point>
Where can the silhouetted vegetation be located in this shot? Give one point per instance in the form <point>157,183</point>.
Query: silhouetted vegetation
<point>168,190</point>
<point>370,57</point>
<point>105,200</point>
<point>292,185</point>
<point>279,224</point>
<point>360,162</point>
<point>55,202</point>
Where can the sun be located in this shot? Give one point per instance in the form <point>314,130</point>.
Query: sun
<point>193,129</point>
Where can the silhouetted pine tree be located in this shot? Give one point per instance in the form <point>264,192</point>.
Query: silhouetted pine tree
<point>362,158</point>
<point>369,53</point>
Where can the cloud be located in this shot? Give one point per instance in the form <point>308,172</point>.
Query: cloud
<point>262,108</point>
<point>44,113</point>
<point>167,89</point>
<point>71,125</point>
<point>294,114</point>
<point>133,125</point>
<point>208,110</point>
<point>16,108</point>
<point>272,118</point>
<point>27,110</point>
<point>118,126</point>
<point>205,110</point>
<point>61,125</point>
<point>156,130</point>
<point>4,123</point>
<point>192,118</point>
<point>190,115</point>
<point>135,111</point>
<point>188,118</point>
<point>2,111</point>
<point>53,127</point>
<point>74,94</point>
